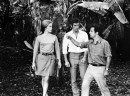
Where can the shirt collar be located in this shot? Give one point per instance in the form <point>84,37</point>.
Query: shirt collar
<point>73,32</point>
<point>97,42</point>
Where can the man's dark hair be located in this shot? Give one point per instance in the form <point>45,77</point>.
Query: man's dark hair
<point>75,20</point>
<point>97,28</point>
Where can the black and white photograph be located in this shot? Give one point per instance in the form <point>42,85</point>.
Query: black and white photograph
<point>64,47</point>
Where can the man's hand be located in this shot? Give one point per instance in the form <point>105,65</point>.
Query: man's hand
<point>68,37</point>
<point>59,64</point>
<point>67,64</point>
<point>83,60</point>
<point>106,73</point>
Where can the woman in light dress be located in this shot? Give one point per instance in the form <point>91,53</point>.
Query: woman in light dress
<point>45,48</point>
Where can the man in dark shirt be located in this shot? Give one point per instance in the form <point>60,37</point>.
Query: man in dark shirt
<point>99,57</point>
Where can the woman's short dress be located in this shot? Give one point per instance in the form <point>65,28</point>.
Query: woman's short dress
<point>46,63</point>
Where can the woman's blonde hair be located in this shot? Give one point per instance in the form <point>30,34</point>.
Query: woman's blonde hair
<point>46,22</point>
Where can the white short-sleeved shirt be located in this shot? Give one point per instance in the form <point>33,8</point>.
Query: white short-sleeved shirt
<point>68,46</point>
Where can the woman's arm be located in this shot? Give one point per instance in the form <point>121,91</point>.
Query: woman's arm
<point>57,49</point>
<point>28,45</point>
<point>35,51</point>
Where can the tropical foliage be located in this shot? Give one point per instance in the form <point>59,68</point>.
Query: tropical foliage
<point>23,23</point>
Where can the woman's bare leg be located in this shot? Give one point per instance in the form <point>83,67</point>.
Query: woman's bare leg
<point>45,85</point>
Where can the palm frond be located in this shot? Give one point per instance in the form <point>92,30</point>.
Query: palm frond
<point>73,6</point>
<point>107,31</point>
<point>119,30</point>
<point>116,29</point>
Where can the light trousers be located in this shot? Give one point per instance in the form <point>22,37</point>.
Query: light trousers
<point>97,73</point>
<point>75,61</point>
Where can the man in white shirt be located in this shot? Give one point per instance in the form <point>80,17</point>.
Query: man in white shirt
<point>75,56</point>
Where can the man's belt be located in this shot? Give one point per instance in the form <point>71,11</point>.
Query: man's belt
<point>75,55</point>
<point>96,64</point>
<point>80,53</point>
<point>46,54</point>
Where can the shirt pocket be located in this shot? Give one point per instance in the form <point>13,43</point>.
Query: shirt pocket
<point>98,50</point>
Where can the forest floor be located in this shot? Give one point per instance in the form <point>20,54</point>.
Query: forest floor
<point>15,81</point>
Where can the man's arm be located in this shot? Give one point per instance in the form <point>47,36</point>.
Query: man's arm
<point>107,65</point>
<point>85,38</point>
<point>65,51</point>
<point>84,57</point>
<point>108,62</point>
<point>78,44</point>
<point>108,55</point>
<point>67,64</point>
